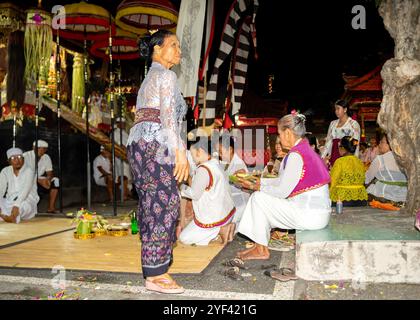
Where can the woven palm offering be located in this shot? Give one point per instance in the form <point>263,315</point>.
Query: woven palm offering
<point>117,231</point>
<point>89,224</point>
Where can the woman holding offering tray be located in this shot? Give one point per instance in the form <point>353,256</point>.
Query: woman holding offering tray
<point>297,199</point>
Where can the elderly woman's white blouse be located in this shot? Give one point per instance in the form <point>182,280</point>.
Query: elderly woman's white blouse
<point>385,168</point>
<point>160,91</point>
<point>350,128</point>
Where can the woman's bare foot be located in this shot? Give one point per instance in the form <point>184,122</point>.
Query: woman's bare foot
<point>259,252</point>
<point>239,254</point>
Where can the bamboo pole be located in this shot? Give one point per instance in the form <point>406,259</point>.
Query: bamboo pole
<point>12,105</point>
<point>58,83</point>
<point>88,171</point>
<point>119,102</point>
<point>204,100</point>
<point>111,101</point>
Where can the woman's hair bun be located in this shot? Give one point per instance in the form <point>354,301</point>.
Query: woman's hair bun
<point>300,118</point>
<point>144,47</point>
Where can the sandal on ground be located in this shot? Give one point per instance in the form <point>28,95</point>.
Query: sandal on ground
<point>236,262</point>
<point>282,274</point>
<point>276,235</point>
<point>268,266</point>
<point>233,273</point>
<point>278,245</point>
<point>158,285</point>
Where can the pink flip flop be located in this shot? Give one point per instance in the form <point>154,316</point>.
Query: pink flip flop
<point>152,286</point>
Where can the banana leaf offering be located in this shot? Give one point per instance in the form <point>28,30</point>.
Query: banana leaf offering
<point>88,221</point>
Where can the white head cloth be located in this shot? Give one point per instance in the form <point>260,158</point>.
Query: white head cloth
<point>14,152</point>
<point>41,144</point>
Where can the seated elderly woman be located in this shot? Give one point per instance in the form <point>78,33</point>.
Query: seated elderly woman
<point>348,176</point>
<point>390,186</point>
<point>298,199</point>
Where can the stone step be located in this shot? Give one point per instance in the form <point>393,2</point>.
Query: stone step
<point>361,245</point>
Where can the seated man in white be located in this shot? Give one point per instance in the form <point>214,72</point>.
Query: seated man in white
<point>20,202</point>
<point>231,163</point>
<point>298,199</point>
<point>46,178</point>
<point>102,171</point>
<point>121,138</point>
<point>212,203</point>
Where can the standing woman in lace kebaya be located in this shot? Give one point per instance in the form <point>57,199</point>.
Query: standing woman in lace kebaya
<point>158,159</point>
<point>343,126</point>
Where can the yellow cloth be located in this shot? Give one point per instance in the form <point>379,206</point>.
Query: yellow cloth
<point>347,179</point>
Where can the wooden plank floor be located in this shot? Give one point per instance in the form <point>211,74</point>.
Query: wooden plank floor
<point>11,232</point>
<point>106,253</point>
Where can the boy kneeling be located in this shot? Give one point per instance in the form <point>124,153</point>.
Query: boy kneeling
<point>211,199</point>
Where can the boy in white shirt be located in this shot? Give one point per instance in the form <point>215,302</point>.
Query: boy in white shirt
<point>232,164</point>
<point>212,202</point>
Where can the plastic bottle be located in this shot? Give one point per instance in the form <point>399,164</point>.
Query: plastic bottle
<point>134,225</point>
<point>339,207</point>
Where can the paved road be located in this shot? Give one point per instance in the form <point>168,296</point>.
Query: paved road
<point>27,284</point>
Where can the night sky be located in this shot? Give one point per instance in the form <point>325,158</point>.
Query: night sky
<point>306,45</point>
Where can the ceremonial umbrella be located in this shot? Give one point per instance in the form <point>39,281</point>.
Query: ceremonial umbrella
<point>140,16</point>
<point>84,21</point>
<point>124,46</point>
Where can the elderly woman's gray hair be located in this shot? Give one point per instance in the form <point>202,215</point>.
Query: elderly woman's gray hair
<point>294,122</point>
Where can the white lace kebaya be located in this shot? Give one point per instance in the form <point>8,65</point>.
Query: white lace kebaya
<point>160,91</point>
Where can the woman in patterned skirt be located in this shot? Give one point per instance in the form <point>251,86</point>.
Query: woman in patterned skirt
<point>158,159</point>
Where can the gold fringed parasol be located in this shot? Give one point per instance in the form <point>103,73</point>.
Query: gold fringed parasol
<point>124,47</point>
<point>140,16</point>
<point>85,21</point>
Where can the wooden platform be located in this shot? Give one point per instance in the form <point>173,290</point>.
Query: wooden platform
<point>105,253</point>
<point>34,228</point>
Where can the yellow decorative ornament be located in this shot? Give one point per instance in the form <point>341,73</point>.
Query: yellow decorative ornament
<point>38,46</point>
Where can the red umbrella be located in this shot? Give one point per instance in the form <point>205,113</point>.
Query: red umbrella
<point>124,47</point>
<point>140,16</point>
<point>85,21</point>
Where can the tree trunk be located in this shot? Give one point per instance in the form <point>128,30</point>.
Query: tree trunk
<point>400,109</point>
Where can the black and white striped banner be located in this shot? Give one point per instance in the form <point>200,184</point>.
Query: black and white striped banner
<point>231,26</point>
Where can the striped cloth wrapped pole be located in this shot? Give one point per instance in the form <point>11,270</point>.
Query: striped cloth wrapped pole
<point>226,46</point>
